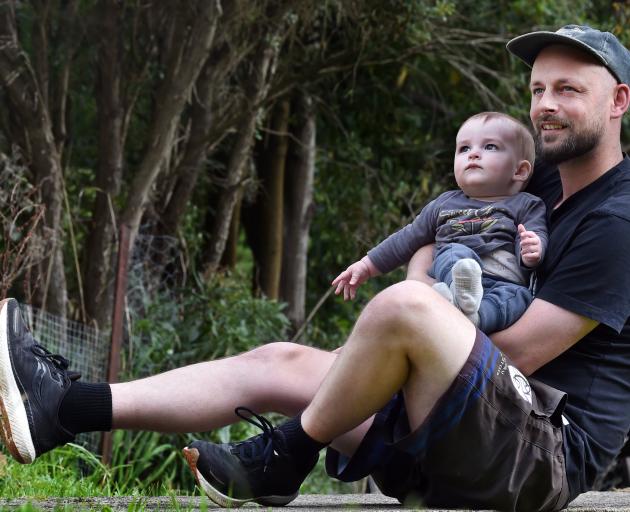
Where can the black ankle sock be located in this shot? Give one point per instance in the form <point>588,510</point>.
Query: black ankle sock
<point>299,442</point>
<point>87,408</point>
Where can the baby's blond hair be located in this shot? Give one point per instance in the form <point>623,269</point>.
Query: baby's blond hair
<point>525,142</point>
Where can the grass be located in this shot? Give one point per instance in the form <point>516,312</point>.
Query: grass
<point>74,472</point>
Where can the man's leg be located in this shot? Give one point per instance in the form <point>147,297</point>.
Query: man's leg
<point>43,405</point>
<point>278,377</point>
<point>408,337</point>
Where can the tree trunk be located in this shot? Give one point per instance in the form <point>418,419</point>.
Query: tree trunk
<point>25,96</point>
<point>100,246</point>
<point>195,153</point>
<point>72,40</point>
<point>298,210</point>
<point>228,260</point>
<point>270,204</point>
<point>185,59</point>
<point>263,70</point>
<point>205,132</point>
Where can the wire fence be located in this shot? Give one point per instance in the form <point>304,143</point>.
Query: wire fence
<point>153,270</point>
<point>86,347</point>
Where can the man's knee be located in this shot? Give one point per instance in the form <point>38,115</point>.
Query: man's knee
<point>403,302</point>
<point>412,315</point>
<point>402,309</point>
<point>277,352</point>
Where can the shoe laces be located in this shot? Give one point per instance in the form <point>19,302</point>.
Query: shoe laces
<point>59,363</point>
<point>262,447</point>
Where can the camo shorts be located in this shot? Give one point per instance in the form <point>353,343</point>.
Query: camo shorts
<point>493,441</point>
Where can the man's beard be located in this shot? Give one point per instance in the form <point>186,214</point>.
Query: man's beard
<point>575,145</point>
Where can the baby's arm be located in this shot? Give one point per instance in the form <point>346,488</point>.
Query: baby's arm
<point>531,247</point>
<point>532,231</point>
<point>354,276</point>
<point>392,252</point>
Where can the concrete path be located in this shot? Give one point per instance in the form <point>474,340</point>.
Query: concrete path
<point>614,501</point>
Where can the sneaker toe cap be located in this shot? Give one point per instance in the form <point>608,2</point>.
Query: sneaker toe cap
<point>221,469</point>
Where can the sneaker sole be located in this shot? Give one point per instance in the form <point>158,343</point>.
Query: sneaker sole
<point>192,456</point>
<point>15,431</point>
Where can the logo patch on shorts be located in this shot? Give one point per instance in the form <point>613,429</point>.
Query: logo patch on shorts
<point>521,384</point>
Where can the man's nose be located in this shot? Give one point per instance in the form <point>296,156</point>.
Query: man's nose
<point>546,103</point>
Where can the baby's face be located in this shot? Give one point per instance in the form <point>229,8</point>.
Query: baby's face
<point>485,158</point>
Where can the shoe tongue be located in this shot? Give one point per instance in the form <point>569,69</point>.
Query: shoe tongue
<point>255,447</point>
<point>74,375</point>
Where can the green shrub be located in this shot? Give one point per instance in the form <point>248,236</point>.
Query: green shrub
<point>206,322</point>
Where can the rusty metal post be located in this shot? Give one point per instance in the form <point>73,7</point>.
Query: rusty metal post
<point>117,325</point>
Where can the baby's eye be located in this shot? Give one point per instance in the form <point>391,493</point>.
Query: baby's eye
<point>491,147</point>
<point>463,149</point>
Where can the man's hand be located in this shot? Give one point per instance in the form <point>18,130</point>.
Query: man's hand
<point>353,277</point>
<point>531,247</point>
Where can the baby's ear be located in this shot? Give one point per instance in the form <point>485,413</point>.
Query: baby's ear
<point>523,171</point>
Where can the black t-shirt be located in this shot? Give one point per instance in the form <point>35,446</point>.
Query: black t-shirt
<point>587,271</point>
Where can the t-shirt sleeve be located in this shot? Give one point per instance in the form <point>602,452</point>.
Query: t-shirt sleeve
<point>592,278</point>
<point>399,247</point>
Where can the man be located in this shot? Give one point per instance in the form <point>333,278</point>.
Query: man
<point>466,428</point>
<point>470,430</point>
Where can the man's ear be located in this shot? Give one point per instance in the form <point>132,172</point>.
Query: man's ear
<point>621,100</point>
<point>523,171</point>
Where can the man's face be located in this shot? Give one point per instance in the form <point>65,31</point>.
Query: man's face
<point>485,158</point>
<point>570,103</point>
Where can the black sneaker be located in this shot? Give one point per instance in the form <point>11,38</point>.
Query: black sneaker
<point>259,469</point>
<point>33,383</point>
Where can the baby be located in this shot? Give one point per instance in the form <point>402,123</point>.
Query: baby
<point>488,235</point>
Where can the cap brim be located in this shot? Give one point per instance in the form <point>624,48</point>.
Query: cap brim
<point>528,46</point>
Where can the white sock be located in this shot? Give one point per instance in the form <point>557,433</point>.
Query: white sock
<point>466,287</point>
<point>474,318</point>
<point>444,291</point>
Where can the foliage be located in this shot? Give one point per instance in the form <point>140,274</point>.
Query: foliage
<point>385,137</point>
<point>143,464</point>
<point>216,319</point>
<point>22,241</point>
<point>392,81</point>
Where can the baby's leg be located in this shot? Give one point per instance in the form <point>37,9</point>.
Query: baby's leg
<point>503,304</point>
<point>458,270</point>
<point>446,257</point>
<point>467,288</point>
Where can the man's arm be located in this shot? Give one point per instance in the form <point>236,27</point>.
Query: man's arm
<point>419,265</point>
<point>541,334</point>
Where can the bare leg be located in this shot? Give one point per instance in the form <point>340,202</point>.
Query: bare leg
<point>409,338</point>
<point>277,377</point>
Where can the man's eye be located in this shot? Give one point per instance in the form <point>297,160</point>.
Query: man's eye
<point>537,91</point>
<point>491,147</point>
<point>567,88</point>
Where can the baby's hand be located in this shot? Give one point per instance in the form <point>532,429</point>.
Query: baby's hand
<point>351,278</point>
<point>531,247</point>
